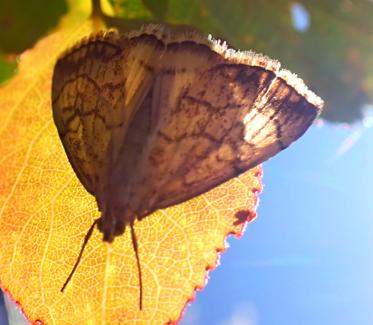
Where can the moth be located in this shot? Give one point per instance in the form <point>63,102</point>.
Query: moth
<point>154,117</point>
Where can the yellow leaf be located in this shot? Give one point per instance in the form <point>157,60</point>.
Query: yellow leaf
<point>45,213</point>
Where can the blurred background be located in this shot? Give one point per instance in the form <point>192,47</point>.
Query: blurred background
<point>308,257</point>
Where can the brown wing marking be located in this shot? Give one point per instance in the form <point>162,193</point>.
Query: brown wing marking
<point>85,81</point>
<point>97,88</point>
<point>217,120</point>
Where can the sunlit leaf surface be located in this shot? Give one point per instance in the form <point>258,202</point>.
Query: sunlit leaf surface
<point>45,213</point>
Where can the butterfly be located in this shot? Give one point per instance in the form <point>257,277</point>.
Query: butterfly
<point>156,116</point>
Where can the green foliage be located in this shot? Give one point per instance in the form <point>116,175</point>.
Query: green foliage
<point>158,8</point>
<point>133,9</point>
<point>23,22</point>
<point>7,69</point>
<point>333,56</point>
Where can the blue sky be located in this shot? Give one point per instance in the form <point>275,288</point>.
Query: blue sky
<point>308,257</point>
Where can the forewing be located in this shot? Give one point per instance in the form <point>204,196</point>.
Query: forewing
<point>218,117</point>
<point>97,89</point>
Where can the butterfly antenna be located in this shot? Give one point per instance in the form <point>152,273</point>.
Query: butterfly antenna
<point>86,239</point>
<point>136,249</point>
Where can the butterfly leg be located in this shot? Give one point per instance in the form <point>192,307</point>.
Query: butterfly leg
<point>136,249</point>
<point>86,239</point>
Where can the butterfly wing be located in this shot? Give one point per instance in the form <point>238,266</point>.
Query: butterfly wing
<point>151,119</point>
<point>217,116</point>
<point>97,88</point>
